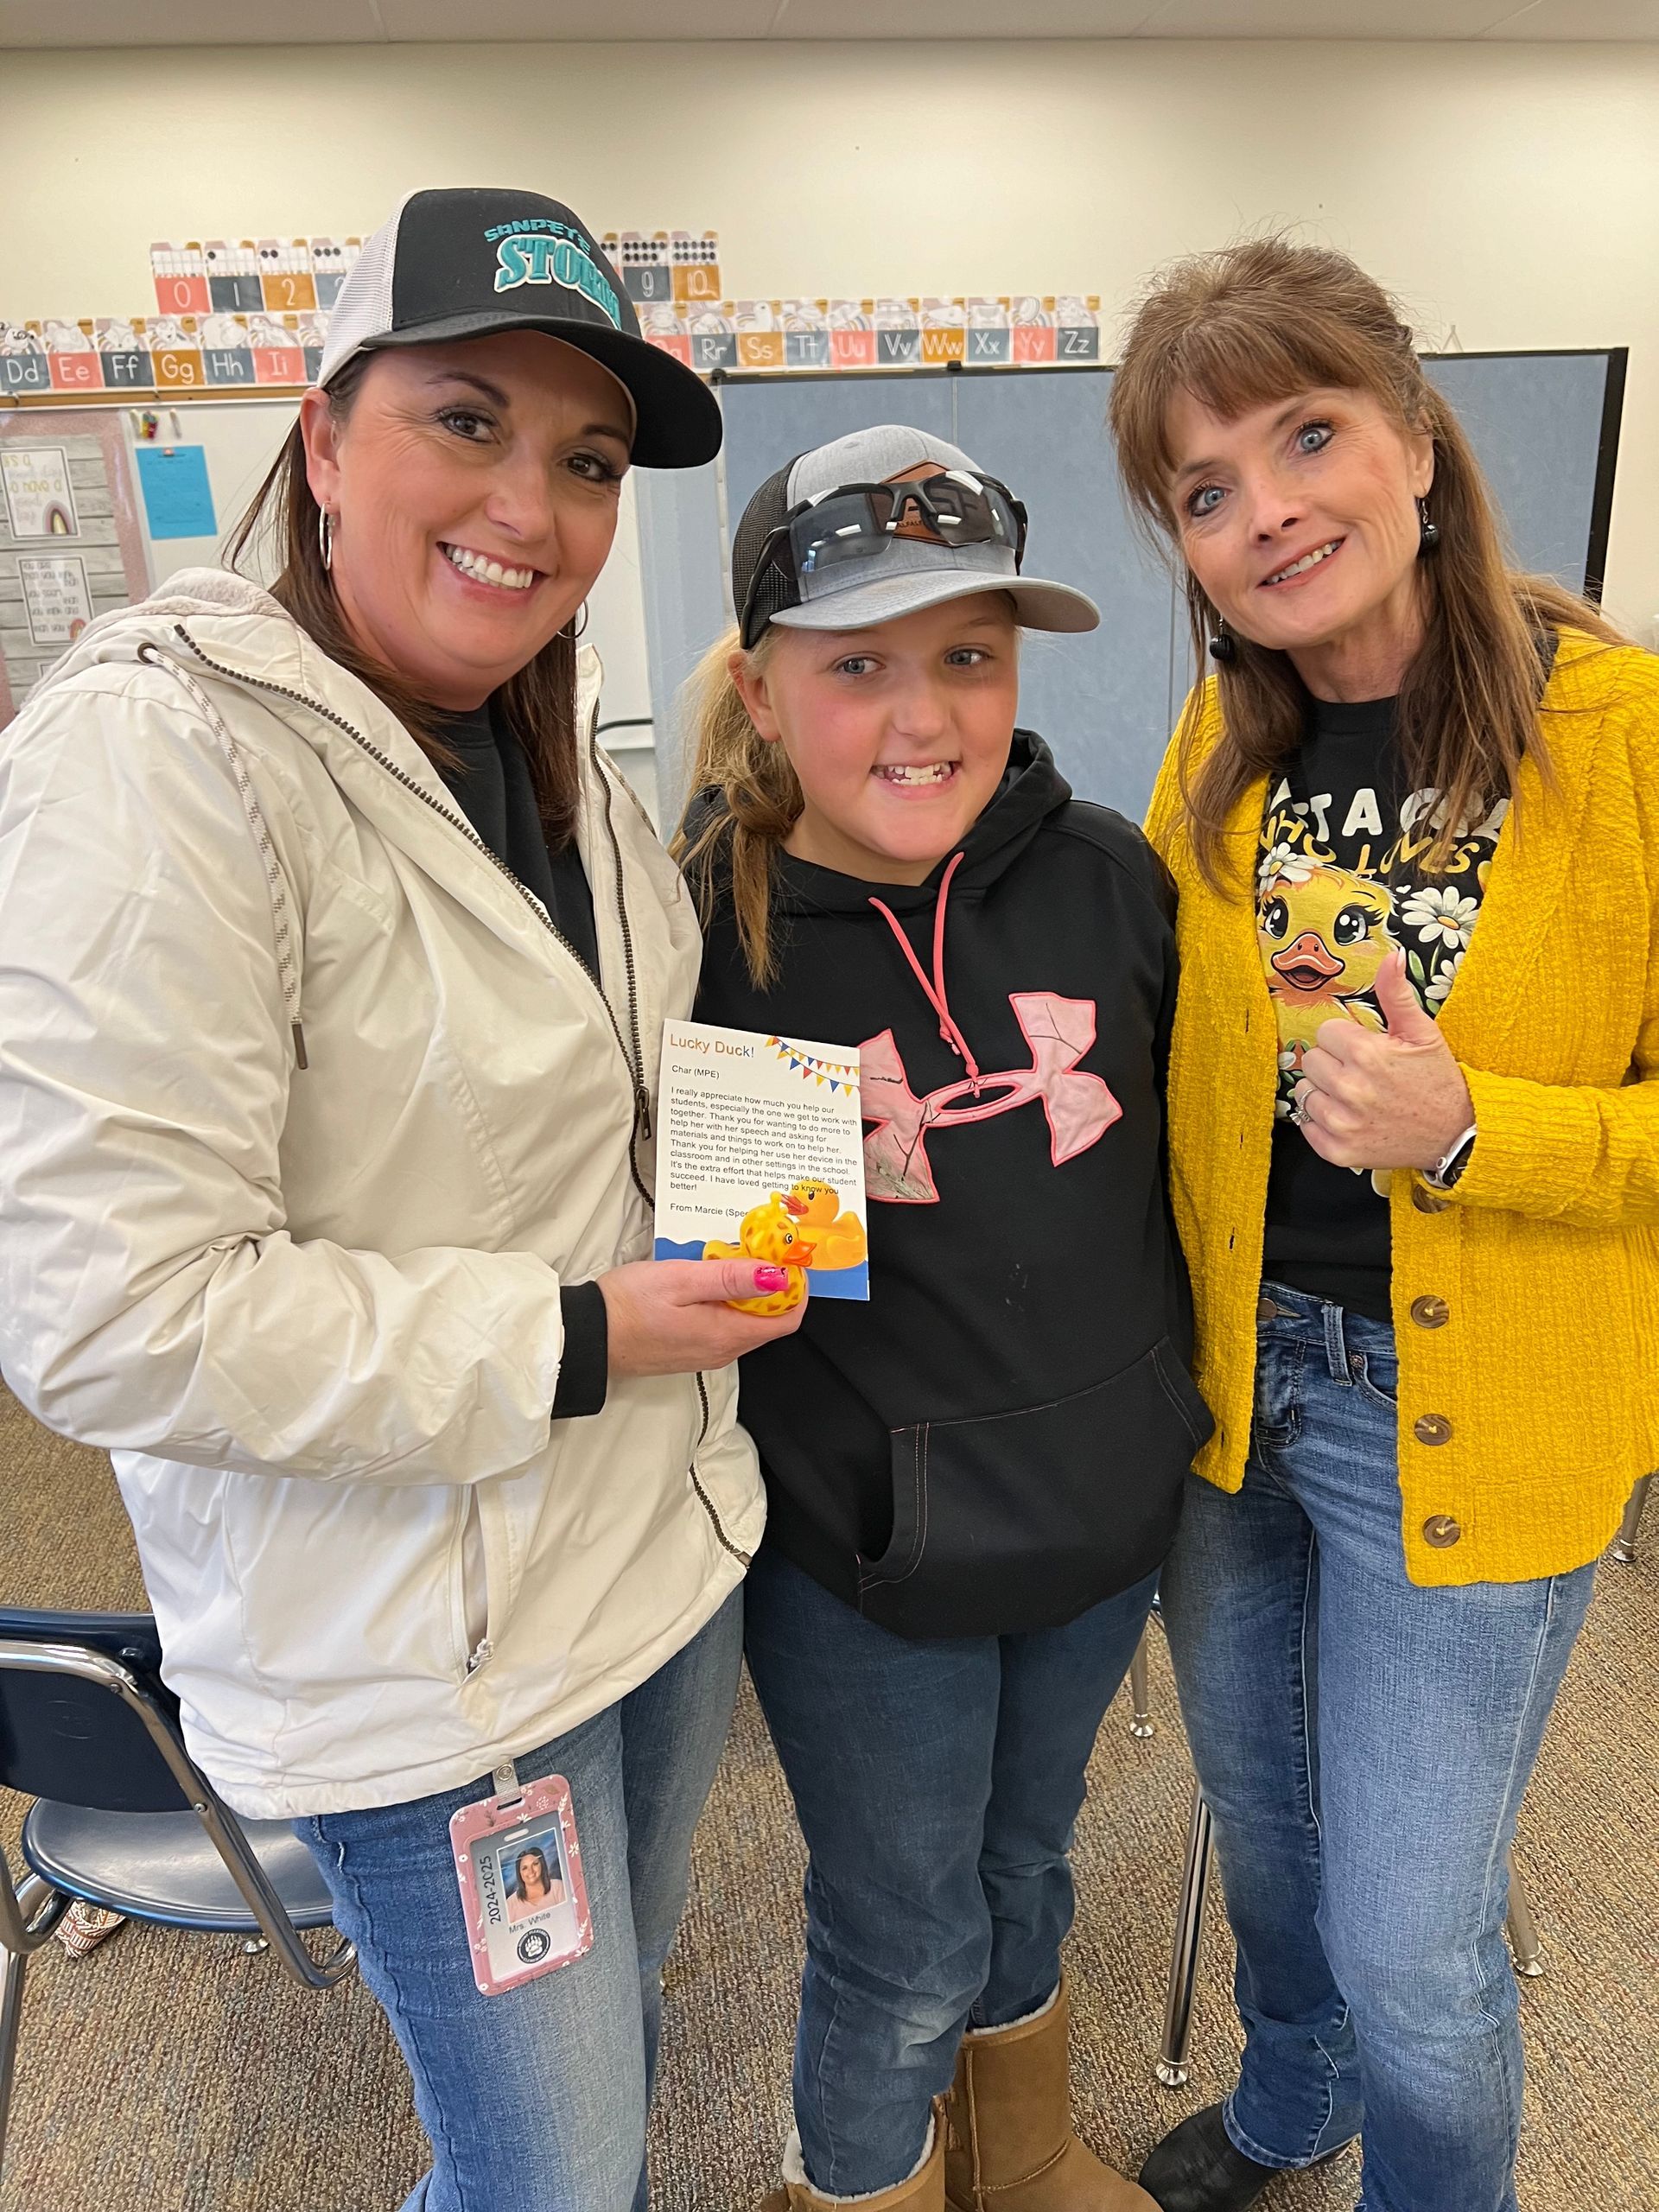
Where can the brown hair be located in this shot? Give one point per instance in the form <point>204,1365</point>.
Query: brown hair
<point>1258,322</point>
<point>539,702</point>
<point>762,802</point>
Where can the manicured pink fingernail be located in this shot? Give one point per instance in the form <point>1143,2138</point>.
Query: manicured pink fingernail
<point>770,1279</point>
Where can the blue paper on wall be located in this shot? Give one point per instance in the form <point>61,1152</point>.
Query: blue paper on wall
<point>178,500</point>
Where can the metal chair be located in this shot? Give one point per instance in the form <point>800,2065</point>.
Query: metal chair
<point>1623,1548</point>
<point>1172,2067</point>
<point>123,1818</point>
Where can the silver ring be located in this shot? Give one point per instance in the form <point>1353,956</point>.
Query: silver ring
<point>1297,1115</point>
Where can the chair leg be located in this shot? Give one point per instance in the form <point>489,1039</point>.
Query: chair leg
<point>12,1964</point>
<point>1189,1942</point>
<point>1142,1724</point>
<point>1524,1945</point>
<point>1623,1548</point>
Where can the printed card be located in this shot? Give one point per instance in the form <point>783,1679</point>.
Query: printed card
<point>39,501</point>
<point>694,260</point>
<point>24,363</point>
<point>180,273</point>
<point>286,279</point>
<point>123,355</point>
<point>331,261</point>
<point>761,1154</point>
<point>233,286</point>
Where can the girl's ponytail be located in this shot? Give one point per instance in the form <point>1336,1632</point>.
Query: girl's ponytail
<point>762,803</point>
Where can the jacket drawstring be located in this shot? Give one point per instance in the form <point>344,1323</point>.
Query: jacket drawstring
<point>935,992</point>
<point>287,966</point>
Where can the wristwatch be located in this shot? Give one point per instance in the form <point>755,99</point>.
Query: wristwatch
<point>1445,1172</point>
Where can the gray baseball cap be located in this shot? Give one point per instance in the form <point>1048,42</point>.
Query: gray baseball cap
<point>912,570</point>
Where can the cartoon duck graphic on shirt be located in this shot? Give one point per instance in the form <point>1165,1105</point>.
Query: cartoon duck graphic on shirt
<point>1325,931</point>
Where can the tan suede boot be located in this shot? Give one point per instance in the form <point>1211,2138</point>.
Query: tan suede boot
<point>1010,2143</point>
<point>923,2192</point>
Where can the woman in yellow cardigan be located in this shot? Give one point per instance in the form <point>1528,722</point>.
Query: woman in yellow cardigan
<point>1414,820</point>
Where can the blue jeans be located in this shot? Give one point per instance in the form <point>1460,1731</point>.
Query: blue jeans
<point>536,2099</point>
<point>1364,1746</point>
<point>936,1784</point>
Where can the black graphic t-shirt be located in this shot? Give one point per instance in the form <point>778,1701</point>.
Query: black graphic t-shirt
<point>1339,883</point>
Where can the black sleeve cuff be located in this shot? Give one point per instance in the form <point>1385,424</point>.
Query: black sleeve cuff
<point>584,1372</point>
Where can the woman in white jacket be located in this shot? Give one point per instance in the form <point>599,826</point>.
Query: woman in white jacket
<point>333,958</point>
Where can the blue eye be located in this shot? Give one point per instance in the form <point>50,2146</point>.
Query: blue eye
<point>1205,500</point>
<point>1313,437</point>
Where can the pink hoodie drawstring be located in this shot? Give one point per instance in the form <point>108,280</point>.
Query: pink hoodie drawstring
<point>936,993</point>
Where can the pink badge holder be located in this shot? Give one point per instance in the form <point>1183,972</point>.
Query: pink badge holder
<point>520,1867</point>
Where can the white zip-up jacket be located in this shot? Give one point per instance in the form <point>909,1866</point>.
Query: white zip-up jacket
<point>306,1113</point>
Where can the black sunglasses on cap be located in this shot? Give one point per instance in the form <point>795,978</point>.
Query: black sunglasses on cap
<point>861,522</point>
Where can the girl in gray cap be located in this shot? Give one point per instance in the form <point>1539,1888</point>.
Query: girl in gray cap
<point>972,1478</point>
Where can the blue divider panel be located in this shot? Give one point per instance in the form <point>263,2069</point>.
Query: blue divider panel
<point>1105,701</point>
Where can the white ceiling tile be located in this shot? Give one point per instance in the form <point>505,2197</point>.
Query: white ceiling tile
<point>933,19</point>
<point>188,22</point>
<point>555,20</point>
<point>1326,19</point>
<point>1579,19</point>
<point>311,22</point>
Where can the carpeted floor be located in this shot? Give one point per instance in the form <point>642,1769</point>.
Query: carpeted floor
<point>173,2073</point>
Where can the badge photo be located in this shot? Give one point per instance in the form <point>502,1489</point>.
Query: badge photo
<point>518,1862</point>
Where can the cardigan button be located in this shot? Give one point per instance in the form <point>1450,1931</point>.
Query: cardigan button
<point>1432,1428</point>
<point>1430,1312</point>
<point>1425,1200</point>
<point>1442,1531</point>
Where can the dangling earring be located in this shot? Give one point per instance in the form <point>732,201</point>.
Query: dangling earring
<point>576,626</point>
<point>1429,536</point>
<point>326,538</point>
<point>1224,646</point>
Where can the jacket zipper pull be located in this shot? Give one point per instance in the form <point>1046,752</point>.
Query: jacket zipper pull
<point>642,1108</point>
<point>299,1044</point>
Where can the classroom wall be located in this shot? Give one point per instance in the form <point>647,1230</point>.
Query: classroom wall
<point>1511,193</point>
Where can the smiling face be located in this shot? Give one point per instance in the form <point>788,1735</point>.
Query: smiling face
<point>1300,521</point>
<point>474,490</point>
<point>898,735</point>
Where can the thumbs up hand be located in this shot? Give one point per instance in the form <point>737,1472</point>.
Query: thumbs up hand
<point>1393,1098</point>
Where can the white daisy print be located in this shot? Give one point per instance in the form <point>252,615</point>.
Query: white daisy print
<point>1435,992</point>
<point>1289,862</point>
<point>1440,916</point>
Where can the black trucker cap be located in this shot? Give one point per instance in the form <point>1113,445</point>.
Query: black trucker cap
<point>458,263</point>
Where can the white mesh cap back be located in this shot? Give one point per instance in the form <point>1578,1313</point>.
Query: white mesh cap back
<point>363,311</point>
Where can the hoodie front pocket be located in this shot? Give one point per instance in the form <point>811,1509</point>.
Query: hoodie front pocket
<point>1023,1520</point>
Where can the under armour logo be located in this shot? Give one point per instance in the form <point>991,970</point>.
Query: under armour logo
<point>1080,1108</point>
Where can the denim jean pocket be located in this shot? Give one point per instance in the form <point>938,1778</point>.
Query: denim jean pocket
<point>1023,1520</point>
<point>1377,1374</point>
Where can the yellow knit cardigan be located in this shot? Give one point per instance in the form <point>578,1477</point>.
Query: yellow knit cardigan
<point>1526,1303</point>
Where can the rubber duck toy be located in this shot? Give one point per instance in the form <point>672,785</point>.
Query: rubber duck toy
<point>838,1239</point>
<point>769,1232</point>
<point>1323,932</point>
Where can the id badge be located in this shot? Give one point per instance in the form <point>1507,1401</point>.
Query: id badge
<point>520,1867</point>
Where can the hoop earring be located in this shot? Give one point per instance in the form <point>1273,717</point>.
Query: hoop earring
<point>326,538</point>
<point>1429,532</point>
<point>1224,646</point>
<point>576,628</point>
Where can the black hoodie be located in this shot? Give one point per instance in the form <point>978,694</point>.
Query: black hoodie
<point>996,1440</point>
